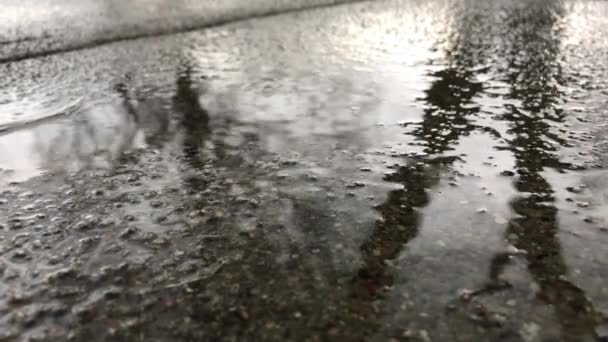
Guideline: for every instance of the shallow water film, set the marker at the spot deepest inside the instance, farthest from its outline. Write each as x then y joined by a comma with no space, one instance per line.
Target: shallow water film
397,170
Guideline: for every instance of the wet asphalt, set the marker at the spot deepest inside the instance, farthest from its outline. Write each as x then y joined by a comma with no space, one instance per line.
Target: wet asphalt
371,171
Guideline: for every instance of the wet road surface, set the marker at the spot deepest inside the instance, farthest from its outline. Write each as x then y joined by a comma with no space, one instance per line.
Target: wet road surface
378,171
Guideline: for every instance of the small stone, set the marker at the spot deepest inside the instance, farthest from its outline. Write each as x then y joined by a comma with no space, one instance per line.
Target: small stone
16,225
156,204
576,190
160,242
130,218
482,210
61,274
497,319
106,223
530,332
514,250
312,178
356,185
30,207
465,294
128,232
583,204
507,173
83,225
98,192
500,220
511,302
407,334
20,254
85,244
588,219
242,313
602,332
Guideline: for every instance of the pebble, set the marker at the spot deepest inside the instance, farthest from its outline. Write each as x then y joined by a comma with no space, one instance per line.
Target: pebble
576,190
242,313
514,250
20,254
465,294
160,242
500,220
356,185
130,218
128,232
156,204
83,225
61,274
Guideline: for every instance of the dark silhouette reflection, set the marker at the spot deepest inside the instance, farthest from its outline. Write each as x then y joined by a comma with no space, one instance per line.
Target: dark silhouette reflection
533,74
400,220
193,117
450,108
450,104
194,123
